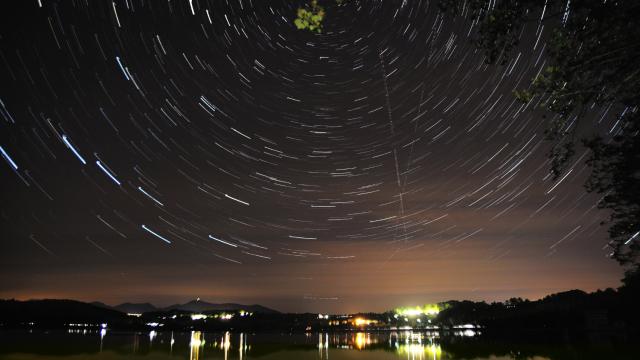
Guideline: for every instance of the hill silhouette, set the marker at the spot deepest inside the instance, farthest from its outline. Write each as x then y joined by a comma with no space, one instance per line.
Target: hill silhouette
55,312
138,308
203,306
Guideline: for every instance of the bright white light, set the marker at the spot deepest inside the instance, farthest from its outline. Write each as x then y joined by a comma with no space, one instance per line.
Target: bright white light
198,316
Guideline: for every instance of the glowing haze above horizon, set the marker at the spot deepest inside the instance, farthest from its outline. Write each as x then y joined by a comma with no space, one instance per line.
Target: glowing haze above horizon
166,151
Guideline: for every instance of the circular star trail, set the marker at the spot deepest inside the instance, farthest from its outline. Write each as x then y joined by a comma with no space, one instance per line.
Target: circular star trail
173,149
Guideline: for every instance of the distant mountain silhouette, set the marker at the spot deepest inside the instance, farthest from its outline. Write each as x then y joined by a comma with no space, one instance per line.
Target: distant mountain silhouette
60,312
137,308
203,306
55,312
101,304
191,306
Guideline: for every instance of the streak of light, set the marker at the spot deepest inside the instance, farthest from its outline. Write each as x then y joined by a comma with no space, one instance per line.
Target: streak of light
256,255
631,238
156,234
66,141
107,172
122,68
237,200
565,237
149,196
559,181
8,158
222,241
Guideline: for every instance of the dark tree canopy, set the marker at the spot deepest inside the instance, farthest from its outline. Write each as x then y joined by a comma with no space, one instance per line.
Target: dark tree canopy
593,61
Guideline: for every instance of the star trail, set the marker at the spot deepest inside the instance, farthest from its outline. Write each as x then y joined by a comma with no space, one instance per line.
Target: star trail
167,150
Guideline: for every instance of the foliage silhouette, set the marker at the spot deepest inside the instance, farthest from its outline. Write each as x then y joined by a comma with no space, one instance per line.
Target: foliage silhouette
593,56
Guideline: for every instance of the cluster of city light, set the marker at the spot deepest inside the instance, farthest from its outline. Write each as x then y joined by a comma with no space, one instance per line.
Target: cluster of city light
83,325
428,309
363,322
226,316
195,317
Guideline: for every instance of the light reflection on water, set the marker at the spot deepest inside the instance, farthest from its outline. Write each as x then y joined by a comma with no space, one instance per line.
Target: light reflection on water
106,344
406,345
409,345
224,344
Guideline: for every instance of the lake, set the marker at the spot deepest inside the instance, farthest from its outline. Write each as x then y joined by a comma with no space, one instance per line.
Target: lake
107,345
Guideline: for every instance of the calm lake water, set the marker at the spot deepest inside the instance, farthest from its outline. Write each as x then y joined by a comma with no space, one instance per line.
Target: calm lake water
108,345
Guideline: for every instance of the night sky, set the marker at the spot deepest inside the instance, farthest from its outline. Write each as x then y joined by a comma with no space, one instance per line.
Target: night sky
166,150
